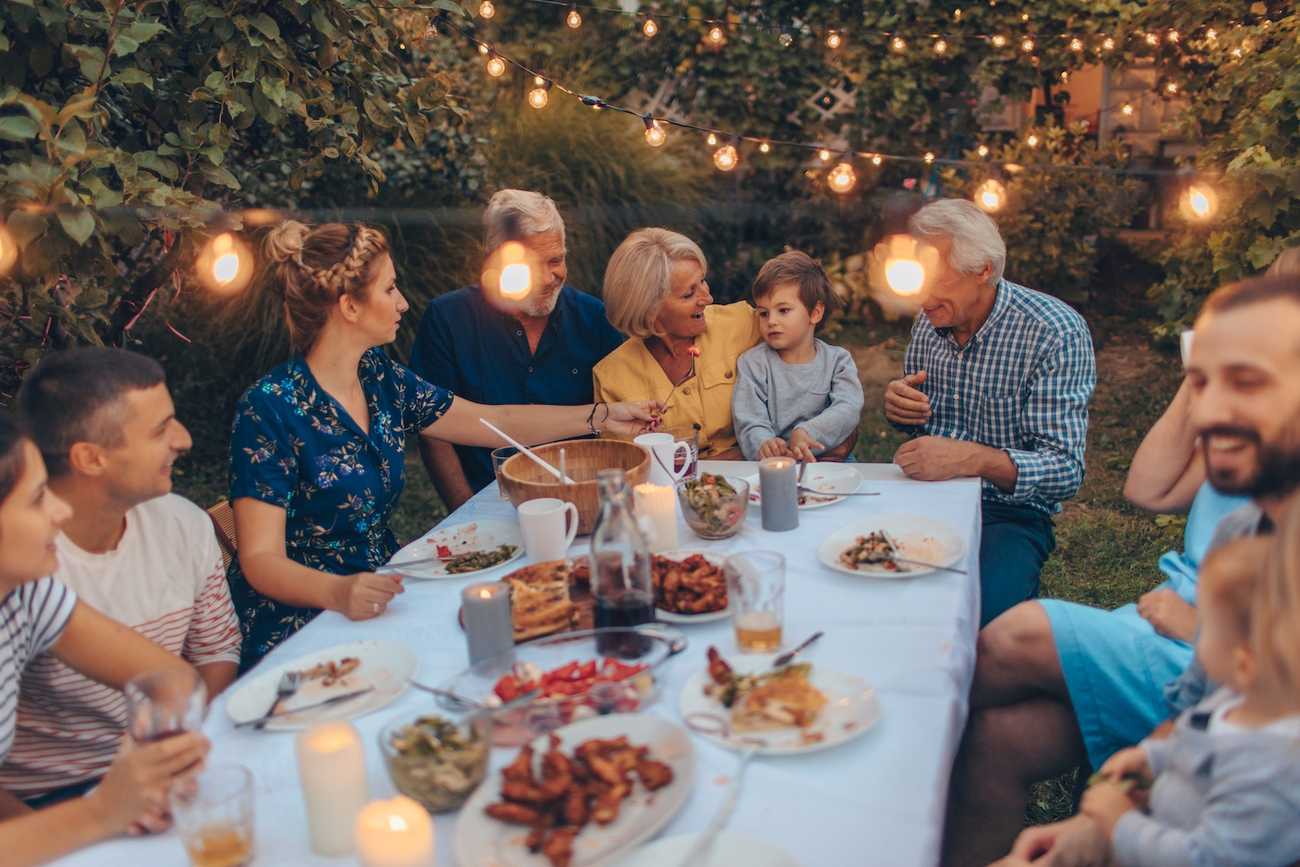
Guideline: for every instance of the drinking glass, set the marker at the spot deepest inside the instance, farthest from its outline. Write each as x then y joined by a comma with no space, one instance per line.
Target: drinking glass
499,457
756,591
214,816
165,703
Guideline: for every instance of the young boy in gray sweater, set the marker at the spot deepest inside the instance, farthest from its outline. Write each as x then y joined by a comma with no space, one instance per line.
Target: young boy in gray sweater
795,395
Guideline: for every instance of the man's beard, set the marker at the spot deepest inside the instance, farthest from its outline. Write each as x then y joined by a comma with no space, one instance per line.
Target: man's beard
1278,471
542,304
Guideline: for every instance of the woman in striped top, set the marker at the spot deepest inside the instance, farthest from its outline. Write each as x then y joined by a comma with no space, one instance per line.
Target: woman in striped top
37,614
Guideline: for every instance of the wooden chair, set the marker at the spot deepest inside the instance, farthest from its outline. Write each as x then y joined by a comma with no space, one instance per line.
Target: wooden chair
223,524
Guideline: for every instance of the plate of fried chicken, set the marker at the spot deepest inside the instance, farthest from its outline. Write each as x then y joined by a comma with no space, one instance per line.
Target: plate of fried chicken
690,587
579,796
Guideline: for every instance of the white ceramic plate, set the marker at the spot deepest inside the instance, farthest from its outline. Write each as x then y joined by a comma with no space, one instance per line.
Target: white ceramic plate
485,842
461,539
918,537
385,665
852,709
728,850
673,617
833,478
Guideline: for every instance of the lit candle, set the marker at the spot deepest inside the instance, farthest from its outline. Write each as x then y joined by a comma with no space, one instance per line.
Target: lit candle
780,494
656,509
488,629
332,769
394,833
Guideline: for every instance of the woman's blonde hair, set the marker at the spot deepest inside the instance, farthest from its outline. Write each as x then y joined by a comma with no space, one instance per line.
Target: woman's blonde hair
318,265
1275,613
1286,263
639,278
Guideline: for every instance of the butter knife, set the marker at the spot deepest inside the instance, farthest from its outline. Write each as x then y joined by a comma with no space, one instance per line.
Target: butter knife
337,699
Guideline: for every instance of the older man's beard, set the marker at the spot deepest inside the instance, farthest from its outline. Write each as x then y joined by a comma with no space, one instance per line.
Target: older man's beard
542,304
1278,473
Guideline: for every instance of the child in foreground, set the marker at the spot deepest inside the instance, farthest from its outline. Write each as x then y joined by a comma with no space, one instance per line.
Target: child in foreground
1225,785
795,395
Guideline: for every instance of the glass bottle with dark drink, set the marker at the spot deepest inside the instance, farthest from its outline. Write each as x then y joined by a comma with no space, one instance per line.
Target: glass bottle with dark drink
620,568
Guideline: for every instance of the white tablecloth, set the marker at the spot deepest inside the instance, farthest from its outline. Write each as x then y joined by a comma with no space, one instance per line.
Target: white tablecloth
878,800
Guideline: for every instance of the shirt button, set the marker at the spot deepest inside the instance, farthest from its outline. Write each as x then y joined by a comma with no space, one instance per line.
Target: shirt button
519,333
575,371
530,368
727,374
686,390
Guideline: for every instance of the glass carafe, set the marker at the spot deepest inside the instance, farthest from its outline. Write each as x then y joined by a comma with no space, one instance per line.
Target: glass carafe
620,567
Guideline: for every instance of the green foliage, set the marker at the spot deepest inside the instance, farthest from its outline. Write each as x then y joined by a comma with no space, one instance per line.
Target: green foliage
1053,221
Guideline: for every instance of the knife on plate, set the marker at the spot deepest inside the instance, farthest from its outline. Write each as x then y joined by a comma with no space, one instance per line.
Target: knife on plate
332,700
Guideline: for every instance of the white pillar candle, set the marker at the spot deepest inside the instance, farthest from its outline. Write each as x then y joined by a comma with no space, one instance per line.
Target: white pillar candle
394,833
332,768
656,509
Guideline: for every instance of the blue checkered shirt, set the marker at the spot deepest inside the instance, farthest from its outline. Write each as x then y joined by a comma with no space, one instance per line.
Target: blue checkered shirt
1021,384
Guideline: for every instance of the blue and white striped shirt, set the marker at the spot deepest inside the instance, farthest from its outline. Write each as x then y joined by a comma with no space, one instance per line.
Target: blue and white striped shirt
1021,384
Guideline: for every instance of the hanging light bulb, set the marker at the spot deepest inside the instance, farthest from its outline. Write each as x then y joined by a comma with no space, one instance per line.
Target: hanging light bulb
496,67
726,158
1024,17
898,44
716,35
1152,39
1065,75
486,9
940,46
538,96
1032,140
1126,109
712,139
649,28
764,147
1108,44
1171,88
834,40
1076,44
8,250
507,270
990,196
956,13
1027,45
999,41
824,155
877,160
1172,36
225,264
842,178
573,19
929,157
1199,202
982,150
482,48
903,264
654,133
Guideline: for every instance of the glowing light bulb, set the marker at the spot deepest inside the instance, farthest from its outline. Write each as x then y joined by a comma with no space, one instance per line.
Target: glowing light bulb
842,178
486,9
904,276
1076,44
1199,202
1152,39
538,81
1172,36
538,97
824,155
1027,45
649,28
225,264
834,40
1171,88
1024,16
496,67
940,46
956,13
712,139
898,44
999,41
573,19
726,158
654,133
877,159
1065,75
929,157
990,196
982,150
764,147
1108,44
716,35
1126,109
482,49
1032,140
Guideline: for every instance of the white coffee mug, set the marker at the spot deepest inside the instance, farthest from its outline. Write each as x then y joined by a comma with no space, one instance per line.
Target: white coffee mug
663,457
542,523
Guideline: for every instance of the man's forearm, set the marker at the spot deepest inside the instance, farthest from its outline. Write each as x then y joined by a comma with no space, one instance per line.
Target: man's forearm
443,466
994,465
217,676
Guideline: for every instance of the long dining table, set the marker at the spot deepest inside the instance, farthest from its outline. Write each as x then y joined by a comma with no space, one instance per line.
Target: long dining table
875,800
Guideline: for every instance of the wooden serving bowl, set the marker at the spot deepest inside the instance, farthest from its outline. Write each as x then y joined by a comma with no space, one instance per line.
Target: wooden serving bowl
523,480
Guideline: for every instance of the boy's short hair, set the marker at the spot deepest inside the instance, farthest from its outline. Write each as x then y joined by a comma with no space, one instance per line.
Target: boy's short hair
1229,575
800,269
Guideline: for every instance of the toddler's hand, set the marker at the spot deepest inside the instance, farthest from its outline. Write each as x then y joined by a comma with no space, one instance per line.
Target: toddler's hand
1131,762
774,448
1105,802
802,446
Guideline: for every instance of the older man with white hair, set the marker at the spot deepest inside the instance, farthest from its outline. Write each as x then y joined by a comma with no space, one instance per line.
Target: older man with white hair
996,384
493,349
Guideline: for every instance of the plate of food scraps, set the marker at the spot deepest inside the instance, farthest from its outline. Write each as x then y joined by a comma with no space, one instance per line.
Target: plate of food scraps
831,480
460,551
868,546
587,793
381,668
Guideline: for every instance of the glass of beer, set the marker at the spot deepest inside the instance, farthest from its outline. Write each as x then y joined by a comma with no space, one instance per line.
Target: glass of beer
756,591
165,703
214,816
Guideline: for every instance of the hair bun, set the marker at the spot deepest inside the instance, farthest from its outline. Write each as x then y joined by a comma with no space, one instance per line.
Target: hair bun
285,241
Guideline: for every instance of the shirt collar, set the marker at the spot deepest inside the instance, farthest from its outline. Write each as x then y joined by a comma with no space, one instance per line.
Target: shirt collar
557,319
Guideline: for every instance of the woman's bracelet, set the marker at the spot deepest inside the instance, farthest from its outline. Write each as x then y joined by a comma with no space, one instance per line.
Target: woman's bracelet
592,415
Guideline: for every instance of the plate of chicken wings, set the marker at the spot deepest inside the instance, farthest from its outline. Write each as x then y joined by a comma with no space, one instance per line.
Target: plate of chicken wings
690,587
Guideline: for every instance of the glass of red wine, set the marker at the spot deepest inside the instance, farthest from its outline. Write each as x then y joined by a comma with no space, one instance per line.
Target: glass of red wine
161,704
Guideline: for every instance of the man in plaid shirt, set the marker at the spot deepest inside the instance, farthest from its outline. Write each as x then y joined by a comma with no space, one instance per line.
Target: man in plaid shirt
996,384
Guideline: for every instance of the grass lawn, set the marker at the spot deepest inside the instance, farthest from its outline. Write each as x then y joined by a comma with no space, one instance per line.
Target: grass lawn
1106,549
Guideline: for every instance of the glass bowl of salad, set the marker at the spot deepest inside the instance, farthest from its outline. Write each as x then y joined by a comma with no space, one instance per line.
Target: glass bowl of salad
543,684
437,760
714,506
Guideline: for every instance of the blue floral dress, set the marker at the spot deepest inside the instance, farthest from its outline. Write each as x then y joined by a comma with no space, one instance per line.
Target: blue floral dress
294,446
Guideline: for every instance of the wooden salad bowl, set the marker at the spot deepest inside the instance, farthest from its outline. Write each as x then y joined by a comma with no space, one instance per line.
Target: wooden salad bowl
523,480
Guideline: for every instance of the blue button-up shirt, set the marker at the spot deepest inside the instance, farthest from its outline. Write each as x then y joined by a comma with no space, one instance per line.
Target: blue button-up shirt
1021,384
470,347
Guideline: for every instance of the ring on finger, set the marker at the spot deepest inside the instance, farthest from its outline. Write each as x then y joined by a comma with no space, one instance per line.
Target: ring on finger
374,606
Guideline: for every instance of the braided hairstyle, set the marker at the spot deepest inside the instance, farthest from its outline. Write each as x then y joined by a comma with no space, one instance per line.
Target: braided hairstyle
317,266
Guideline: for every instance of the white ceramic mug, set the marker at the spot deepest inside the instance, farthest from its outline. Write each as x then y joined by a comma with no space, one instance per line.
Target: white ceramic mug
542,523
663,457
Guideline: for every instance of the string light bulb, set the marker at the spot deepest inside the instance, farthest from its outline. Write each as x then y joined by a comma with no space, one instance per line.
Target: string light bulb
516,276
538,97
764,147
1027,45
1065,75
496,67
712,139
1024,17
898,44
842,178
482,49
1032,140
929,157
956,14
824,155
716,35
726,158
649,28
1171,88
1108,44
982,150
877,160
1126,109
903,263
1199,202
655,136
940,46
1172,36
834,40
999,41
486,9
1153,39
573,19
225,264
1076,44
990,196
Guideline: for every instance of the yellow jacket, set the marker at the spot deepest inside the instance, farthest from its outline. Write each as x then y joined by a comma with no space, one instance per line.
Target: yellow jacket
704,400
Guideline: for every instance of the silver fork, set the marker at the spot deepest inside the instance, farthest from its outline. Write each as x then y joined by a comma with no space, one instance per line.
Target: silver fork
288,685
719,821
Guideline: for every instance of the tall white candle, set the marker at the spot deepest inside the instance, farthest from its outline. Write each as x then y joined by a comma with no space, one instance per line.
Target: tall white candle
332,768
394,833
656,509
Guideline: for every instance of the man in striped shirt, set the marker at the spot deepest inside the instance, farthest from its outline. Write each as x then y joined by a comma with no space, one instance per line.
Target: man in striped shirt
996,384
104,421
